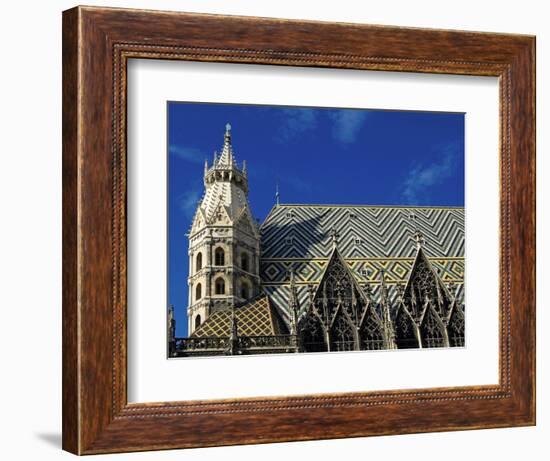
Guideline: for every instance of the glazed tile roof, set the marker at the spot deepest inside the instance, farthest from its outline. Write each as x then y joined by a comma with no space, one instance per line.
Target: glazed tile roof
257,318
303,231
371,239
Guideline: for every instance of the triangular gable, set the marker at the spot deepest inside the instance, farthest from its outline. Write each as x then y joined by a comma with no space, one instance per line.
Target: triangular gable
456,325
334,259
370,311
219,214
246,223
336,263
199,220
420,275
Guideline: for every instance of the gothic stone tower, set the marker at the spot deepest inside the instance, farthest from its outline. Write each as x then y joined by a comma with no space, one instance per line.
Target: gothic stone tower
224,241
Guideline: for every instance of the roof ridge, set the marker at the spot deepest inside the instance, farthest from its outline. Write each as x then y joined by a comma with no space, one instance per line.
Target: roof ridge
328,205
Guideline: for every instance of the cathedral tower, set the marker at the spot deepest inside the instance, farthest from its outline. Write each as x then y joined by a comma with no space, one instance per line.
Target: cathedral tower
224,241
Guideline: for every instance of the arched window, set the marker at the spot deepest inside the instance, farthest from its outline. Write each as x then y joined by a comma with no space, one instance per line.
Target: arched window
371,335
197,321
431,330
456,327
245,290
312,333
220,286
198,262
405,336
198,292
245,263
219,257
341,335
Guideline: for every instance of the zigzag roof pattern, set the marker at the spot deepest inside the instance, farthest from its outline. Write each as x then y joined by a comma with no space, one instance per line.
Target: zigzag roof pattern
303,231
371,238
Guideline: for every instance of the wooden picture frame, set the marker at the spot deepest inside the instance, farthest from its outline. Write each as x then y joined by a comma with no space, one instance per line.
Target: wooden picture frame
97,43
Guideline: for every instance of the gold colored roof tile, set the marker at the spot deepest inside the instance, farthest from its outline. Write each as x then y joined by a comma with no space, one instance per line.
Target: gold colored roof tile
253,319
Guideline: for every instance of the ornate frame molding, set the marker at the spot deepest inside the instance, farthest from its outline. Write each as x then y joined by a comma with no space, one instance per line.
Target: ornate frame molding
97,43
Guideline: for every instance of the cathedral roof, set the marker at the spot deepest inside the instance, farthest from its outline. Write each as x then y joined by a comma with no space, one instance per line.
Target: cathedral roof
371,239
303,231
256,318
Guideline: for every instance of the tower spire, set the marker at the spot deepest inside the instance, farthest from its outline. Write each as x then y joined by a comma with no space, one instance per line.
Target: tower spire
277,192
389,332
294,307
226,159
223,225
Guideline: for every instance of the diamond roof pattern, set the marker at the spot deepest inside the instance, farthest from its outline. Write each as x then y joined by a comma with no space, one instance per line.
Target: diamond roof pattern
256,318
370,238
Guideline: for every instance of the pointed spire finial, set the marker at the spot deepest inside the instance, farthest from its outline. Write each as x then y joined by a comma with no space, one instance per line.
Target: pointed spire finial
383,288
277,192
205,166
227,136
291,274
419,239
234,330
171,329
227,153
294,306
452,289
400,291
386,320
417,235
233,346
335,236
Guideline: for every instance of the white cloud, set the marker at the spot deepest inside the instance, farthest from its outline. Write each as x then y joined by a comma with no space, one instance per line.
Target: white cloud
188,203
190,154
296,122
423,176
347,124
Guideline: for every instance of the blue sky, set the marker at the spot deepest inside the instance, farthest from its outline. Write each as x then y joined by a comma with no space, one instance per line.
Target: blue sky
317,155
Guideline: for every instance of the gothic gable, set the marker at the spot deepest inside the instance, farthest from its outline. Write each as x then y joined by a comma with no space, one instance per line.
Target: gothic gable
456,326
432,329
245,222
199,220
338,289
220,215
371,331
312,332
406,332
424,287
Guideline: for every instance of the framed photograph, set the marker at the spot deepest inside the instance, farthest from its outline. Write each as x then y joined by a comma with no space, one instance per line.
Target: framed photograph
281,230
